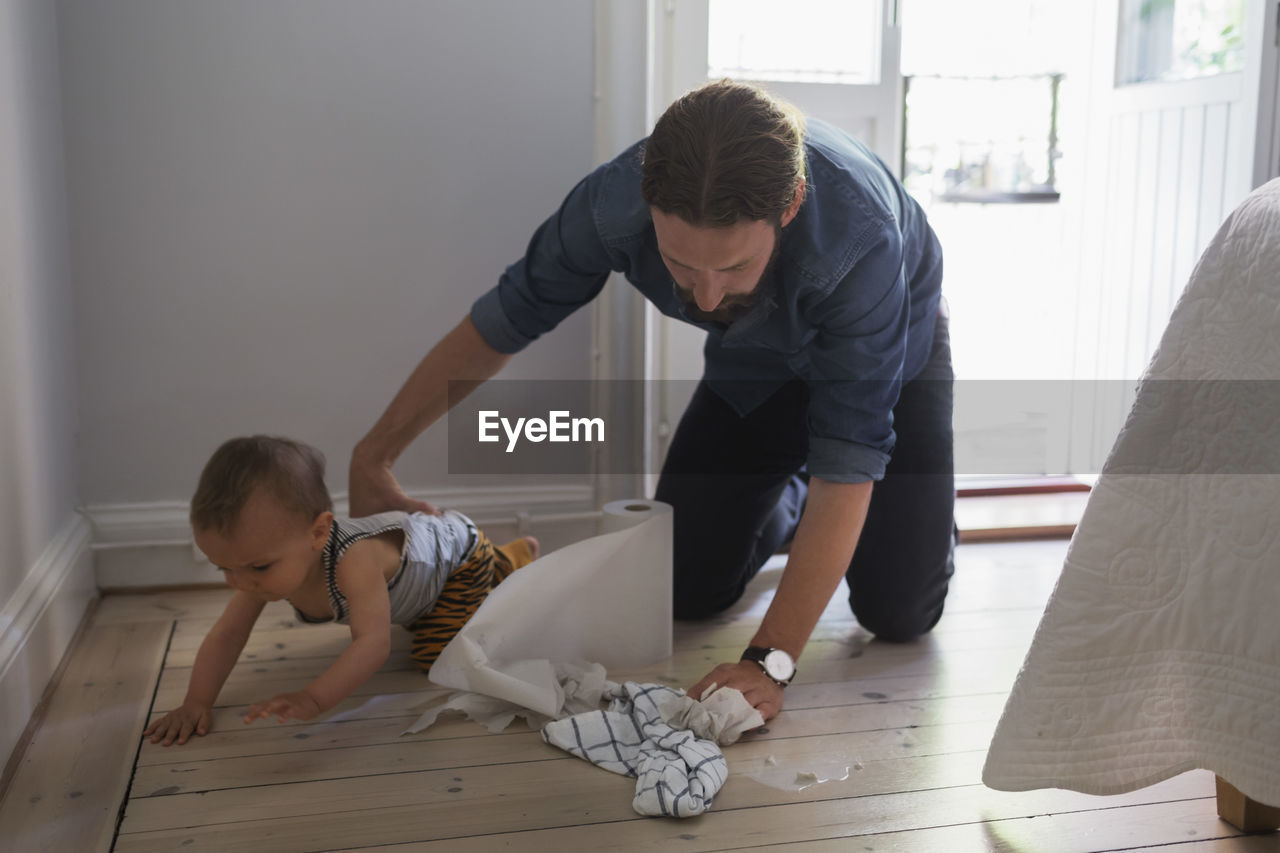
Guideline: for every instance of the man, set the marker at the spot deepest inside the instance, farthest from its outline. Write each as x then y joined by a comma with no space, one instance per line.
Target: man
818,282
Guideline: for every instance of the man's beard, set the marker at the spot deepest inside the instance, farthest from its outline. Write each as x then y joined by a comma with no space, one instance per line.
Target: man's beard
734,305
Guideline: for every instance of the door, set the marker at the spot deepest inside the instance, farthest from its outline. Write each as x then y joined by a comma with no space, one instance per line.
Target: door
1174,127
837,59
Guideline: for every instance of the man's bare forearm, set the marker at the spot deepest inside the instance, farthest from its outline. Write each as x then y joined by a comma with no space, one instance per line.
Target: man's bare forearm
820,554
463,357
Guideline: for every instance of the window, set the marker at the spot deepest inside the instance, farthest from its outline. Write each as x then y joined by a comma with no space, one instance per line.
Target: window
806,41
1162,40
983,140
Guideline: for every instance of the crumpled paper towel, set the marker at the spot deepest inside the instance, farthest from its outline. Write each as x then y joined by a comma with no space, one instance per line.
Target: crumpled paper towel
578,688
723,715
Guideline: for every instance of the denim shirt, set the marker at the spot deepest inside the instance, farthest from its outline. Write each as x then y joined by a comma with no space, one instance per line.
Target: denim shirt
849,307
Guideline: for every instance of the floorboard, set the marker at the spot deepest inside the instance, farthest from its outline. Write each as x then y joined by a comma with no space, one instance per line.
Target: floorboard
898,733
71,781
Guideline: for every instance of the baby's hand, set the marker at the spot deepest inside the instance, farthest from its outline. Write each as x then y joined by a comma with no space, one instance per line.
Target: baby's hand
286,706
179,723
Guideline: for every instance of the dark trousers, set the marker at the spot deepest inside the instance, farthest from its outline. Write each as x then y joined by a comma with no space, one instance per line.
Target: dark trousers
738,490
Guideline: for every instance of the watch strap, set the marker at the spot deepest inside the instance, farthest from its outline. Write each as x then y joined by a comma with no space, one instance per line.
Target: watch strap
758,654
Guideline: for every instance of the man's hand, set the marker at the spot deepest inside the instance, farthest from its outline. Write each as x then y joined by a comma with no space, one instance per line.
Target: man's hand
373,489
760,690
180,723
286,706
458,364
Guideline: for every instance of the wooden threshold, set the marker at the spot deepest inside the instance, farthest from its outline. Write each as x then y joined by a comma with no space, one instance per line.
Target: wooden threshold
1020,516
1017,534
1024,486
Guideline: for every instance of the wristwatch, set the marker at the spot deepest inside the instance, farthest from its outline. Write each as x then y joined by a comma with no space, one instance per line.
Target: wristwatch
776,663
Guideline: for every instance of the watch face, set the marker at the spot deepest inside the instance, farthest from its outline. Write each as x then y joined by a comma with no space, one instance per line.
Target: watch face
779,665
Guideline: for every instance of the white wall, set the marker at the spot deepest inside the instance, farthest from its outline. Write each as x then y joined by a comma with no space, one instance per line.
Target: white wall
45,575
277,207
266,212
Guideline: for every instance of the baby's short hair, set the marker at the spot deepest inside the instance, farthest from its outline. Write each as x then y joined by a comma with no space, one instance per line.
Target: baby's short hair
293,471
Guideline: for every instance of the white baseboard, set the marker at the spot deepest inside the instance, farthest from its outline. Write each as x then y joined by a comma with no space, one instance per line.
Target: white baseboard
38,623
139,545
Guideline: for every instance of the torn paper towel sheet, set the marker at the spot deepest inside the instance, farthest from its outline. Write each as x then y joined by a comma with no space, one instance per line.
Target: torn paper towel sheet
605,599
664,738
721,714
578,685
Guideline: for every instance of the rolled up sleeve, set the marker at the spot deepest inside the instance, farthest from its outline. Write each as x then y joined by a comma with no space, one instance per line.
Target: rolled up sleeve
565,266
856,364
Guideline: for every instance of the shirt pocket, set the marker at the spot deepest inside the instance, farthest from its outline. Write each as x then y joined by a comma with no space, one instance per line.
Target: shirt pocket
799,363
789,342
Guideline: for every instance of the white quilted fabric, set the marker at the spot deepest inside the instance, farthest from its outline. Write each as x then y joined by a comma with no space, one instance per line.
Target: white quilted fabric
1159,651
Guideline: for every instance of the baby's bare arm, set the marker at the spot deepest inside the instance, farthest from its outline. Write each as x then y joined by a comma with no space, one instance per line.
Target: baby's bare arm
360,577
222,646
214,661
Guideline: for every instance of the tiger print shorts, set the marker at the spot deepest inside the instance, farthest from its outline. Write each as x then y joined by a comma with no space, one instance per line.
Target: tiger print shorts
462,595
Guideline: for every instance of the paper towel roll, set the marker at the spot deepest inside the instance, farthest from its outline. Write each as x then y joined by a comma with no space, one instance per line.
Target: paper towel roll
620,515
606,600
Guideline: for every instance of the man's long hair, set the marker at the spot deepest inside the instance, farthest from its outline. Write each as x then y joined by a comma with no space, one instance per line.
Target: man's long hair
725,153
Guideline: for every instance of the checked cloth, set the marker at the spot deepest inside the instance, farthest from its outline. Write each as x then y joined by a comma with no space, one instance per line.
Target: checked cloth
663,738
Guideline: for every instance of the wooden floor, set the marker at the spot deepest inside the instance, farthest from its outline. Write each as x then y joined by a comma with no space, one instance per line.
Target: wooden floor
899,732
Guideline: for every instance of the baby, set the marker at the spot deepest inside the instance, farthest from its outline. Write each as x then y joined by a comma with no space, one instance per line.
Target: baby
263,516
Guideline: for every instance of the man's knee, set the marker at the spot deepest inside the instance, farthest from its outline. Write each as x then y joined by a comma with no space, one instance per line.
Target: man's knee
701,600
701,589
902,613
898,594
903,626
689,607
